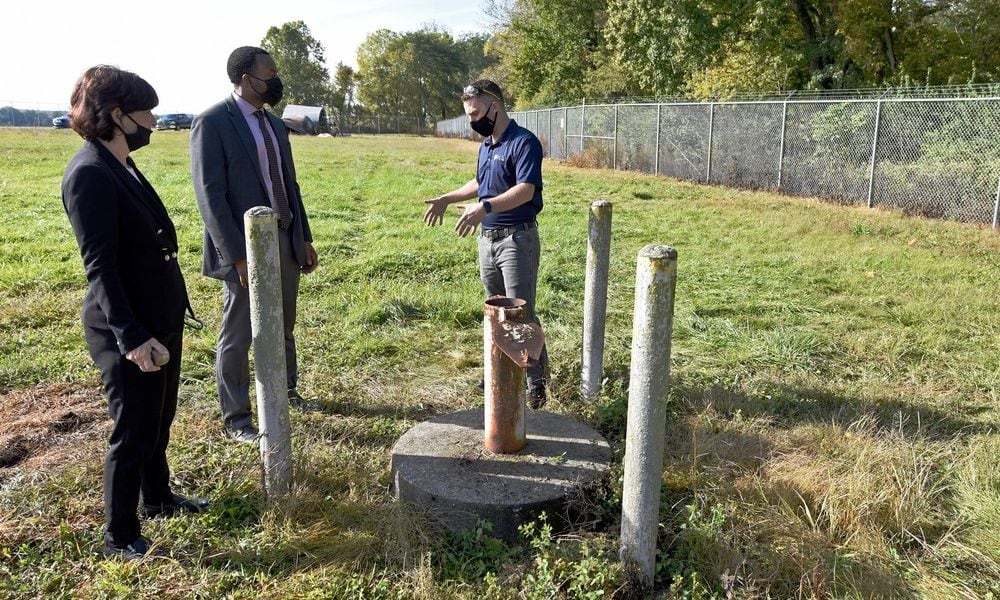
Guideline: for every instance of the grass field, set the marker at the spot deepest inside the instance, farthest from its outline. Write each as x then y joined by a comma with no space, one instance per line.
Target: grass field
832,429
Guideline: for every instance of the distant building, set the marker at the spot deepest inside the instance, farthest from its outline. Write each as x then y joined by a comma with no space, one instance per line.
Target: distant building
308,120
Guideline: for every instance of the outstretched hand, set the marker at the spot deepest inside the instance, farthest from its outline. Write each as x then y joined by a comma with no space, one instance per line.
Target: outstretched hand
435,211
472,216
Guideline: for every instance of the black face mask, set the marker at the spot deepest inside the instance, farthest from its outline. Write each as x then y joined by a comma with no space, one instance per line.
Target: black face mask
484,126
275,89
137,139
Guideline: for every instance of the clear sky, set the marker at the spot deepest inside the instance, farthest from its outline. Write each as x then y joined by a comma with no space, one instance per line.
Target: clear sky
181,46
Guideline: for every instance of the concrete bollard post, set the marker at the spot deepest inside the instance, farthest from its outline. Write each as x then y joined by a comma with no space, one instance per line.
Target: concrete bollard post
595,298
656,277
266,320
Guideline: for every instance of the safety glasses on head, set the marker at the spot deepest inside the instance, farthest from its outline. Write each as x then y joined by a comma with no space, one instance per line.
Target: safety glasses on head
472,91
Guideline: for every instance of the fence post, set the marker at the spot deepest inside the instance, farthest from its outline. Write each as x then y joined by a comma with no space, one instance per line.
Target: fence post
711,124
614,144
649,378
565,133
595,298
871,167
781,146
996,207
656,163
264,275
549,140
583,125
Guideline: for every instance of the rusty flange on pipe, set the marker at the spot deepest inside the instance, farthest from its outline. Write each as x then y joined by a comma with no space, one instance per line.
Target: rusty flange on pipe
510,344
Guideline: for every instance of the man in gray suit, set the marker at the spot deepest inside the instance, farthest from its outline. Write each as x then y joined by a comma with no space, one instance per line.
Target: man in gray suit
241,158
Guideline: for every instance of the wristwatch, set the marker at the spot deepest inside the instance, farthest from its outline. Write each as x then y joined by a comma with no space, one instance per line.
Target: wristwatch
487,206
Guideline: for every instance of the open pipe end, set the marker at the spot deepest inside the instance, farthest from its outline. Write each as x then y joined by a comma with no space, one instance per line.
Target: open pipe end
505,302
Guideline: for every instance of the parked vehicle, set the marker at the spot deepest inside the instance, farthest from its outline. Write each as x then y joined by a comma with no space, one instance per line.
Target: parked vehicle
61,122
174,121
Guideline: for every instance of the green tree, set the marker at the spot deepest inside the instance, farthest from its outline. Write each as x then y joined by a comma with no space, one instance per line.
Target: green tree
950,41
551,51
344,90
301,64
417,73
472,51
381,63
547,49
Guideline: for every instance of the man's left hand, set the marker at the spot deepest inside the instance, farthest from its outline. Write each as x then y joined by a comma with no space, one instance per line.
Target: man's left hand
312,259
472,216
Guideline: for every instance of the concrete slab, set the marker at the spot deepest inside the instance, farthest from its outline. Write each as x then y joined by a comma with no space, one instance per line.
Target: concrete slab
443,466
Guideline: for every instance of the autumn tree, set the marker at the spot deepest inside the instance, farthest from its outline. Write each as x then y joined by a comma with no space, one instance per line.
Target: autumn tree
301,65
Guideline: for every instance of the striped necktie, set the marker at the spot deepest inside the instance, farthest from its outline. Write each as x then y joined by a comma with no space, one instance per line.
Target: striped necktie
280,199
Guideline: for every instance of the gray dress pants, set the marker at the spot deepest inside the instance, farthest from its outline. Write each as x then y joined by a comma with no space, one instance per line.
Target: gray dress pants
232,362
509,267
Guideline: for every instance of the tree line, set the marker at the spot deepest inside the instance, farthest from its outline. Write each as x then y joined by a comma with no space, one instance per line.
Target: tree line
550,52
416,74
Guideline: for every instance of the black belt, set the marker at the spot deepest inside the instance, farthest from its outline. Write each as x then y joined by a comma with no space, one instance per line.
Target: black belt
495,235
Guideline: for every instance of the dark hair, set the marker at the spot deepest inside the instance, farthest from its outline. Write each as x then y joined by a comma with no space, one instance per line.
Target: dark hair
242,61
482,87
98,91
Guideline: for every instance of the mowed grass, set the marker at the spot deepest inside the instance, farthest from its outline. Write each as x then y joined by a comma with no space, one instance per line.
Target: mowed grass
832,429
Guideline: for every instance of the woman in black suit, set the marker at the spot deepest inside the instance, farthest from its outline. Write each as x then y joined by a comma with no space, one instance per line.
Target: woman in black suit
133,312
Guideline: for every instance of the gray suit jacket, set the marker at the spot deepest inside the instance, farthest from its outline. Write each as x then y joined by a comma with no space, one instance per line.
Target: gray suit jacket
228,182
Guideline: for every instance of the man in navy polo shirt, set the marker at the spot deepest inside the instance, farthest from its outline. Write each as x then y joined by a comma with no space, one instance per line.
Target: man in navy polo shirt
508,184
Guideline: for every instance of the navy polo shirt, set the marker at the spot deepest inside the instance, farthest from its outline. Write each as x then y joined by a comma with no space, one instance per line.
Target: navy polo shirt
515,158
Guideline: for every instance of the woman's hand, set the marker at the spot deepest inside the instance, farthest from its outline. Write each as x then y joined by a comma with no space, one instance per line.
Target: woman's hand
143,355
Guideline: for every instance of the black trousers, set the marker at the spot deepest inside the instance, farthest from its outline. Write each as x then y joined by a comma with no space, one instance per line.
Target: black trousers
142,406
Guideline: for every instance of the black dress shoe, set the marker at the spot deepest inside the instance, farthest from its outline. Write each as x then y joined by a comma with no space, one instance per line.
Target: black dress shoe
536,396
179,505
132,551
295,400
247,434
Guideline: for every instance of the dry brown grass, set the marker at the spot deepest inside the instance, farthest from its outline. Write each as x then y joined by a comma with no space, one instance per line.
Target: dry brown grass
48,427
590,158
814,510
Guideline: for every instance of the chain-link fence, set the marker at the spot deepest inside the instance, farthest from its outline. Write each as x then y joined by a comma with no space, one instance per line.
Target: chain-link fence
936,157
384,124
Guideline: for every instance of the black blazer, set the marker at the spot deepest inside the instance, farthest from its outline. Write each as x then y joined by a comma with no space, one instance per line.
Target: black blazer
129,249
228,182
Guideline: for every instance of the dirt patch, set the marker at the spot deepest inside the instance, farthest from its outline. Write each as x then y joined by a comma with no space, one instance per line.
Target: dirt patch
43,428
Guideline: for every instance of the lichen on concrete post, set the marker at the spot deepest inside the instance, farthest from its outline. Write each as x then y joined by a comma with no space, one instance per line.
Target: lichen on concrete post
595,298
656,277
267,324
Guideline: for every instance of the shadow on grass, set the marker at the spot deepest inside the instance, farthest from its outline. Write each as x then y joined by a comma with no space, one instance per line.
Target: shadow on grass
748,518
790,405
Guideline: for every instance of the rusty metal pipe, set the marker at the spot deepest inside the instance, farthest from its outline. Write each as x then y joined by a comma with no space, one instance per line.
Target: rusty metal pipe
510,344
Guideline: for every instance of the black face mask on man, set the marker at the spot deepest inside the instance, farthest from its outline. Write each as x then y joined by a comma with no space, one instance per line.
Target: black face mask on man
138,138
275,89
484,125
